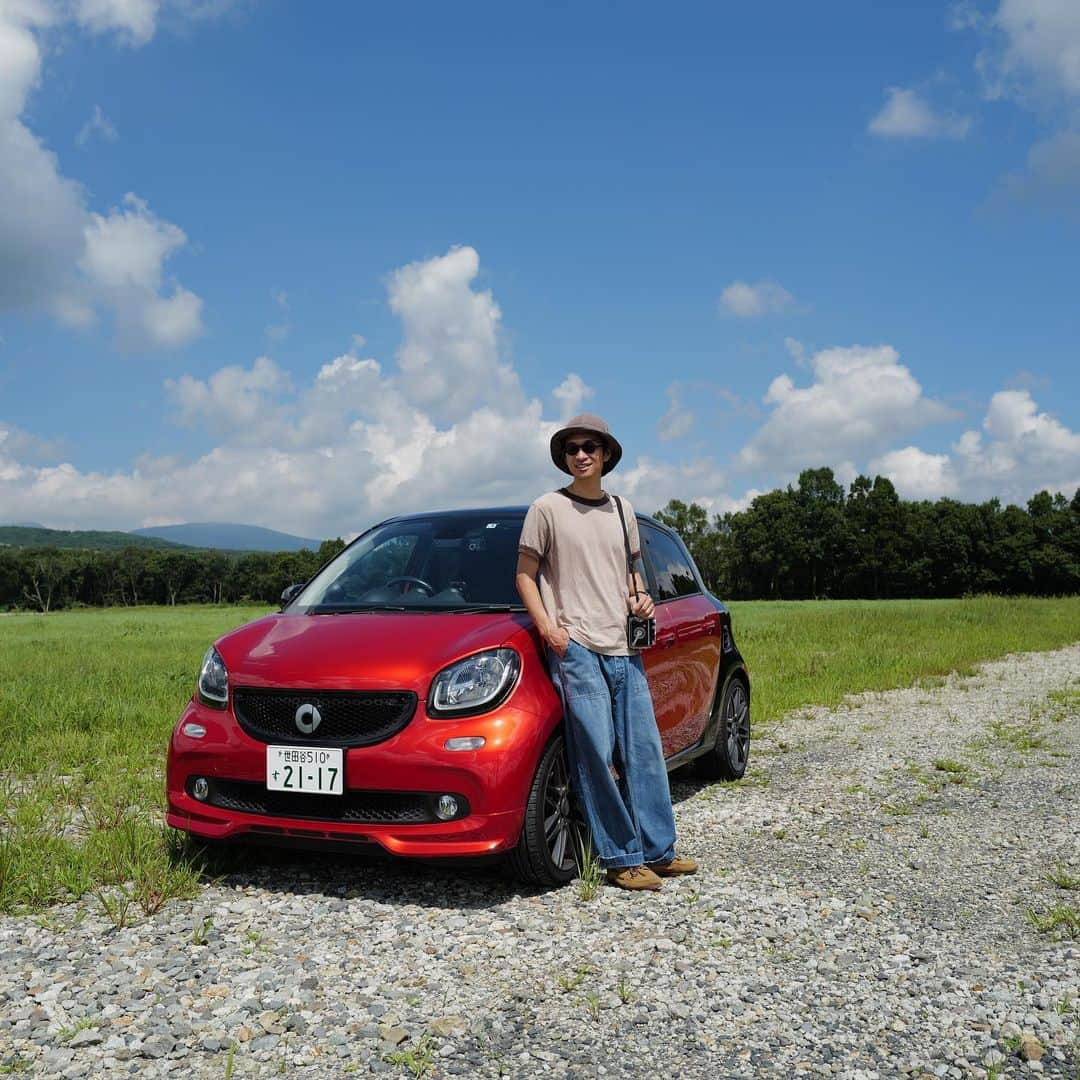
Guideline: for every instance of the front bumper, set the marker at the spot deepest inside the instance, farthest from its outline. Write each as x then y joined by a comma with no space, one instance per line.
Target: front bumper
493,782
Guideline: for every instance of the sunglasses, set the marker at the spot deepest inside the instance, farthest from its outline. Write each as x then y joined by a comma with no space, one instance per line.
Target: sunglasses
589,446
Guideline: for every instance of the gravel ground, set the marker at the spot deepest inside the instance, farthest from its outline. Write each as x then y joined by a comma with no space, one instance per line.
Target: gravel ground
860,912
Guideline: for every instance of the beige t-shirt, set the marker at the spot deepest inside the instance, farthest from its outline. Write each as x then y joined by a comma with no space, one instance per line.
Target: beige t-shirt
583,578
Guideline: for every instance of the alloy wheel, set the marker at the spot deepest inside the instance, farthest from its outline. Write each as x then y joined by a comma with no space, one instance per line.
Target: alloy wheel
737,724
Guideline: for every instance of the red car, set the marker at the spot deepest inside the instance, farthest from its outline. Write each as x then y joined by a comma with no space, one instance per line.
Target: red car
401,698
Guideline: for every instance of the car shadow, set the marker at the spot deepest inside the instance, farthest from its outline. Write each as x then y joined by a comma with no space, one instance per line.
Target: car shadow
365,874
685,782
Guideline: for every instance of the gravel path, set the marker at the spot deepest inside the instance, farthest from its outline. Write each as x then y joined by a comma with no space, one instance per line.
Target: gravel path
861,912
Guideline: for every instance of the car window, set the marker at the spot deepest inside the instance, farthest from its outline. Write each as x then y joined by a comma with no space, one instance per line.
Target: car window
422,564
671,572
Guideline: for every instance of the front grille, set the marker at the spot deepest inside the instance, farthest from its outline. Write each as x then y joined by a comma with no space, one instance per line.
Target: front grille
349,717
361,807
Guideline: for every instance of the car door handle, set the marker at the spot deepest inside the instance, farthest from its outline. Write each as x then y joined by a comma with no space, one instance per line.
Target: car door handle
665,640
692,630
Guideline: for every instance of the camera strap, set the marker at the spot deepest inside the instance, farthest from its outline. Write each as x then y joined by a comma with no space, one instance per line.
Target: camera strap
626,541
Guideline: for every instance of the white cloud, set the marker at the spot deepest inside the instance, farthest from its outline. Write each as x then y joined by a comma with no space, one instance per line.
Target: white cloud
678,420
796,350
99,126
651,484
450,354
861,399
907,115
134,20
571,394
14,442
1052,173
355,444
915,473
123,260
745,301
51,247
1018,452
234,401
1032,51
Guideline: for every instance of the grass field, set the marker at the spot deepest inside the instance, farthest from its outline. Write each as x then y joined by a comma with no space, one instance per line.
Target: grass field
88,698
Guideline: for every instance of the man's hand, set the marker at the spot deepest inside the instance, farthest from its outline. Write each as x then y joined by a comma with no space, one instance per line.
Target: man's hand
640,605
558,637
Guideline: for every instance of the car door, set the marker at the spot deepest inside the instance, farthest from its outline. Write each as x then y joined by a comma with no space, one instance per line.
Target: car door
682,667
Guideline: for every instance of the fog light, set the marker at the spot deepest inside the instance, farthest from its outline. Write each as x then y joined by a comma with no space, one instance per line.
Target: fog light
201,788
196,731
465,742
446,807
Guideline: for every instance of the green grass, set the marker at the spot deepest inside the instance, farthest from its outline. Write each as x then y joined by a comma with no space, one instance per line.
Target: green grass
87,702
817,652
88,698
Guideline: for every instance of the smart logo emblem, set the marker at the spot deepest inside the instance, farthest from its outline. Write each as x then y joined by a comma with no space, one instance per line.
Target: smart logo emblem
308,718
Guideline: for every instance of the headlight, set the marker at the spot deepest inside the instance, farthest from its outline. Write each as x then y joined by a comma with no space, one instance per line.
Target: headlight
213,680
474,685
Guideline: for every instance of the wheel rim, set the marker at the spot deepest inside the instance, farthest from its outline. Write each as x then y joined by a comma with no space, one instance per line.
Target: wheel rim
562,822
737,722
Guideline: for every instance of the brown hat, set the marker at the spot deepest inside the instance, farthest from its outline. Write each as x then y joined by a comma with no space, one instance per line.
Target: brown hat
585,422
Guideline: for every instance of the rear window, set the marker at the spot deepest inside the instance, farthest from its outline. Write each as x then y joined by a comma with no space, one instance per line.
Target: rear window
671,572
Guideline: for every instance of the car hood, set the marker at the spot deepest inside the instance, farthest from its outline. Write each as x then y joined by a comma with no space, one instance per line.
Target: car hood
376,650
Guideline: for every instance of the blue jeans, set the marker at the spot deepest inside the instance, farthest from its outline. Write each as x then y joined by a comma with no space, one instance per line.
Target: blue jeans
610,721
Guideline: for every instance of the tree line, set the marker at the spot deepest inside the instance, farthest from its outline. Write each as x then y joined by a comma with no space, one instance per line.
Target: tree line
46,579
807,541
818,540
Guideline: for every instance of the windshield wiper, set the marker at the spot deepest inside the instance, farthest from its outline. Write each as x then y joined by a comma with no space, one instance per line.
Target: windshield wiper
357,609
458,609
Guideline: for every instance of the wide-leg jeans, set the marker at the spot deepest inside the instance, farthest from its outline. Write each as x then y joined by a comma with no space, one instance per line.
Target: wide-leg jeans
610,722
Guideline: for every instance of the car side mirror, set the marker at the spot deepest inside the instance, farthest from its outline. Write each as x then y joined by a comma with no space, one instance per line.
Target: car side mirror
289,593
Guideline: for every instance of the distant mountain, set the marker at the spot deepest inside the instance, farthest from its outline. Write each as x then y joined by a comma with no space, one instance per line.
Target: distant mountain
229,536
34,536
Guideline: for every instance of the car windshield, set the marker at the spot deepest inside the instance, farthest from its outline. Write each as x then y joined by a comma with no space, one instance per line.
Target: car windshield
452,562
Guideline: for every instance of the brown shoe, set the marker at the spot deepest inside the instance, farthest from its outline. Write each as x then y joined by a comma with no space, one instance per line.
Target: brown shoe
633,877
676,866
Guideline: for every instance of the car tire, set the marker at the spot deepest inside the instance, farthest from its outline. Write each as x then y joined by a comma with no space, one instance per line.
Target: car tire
731,751
553,833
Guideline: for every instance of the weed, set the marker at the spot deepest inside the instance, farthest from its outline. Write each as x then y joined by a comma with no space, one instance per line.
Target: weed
854,789
200,930
116,904
1062,919
1018,737
1063,879
896,809
229,1062
80,1025
953,768
572,982
924,832
591,873
592,1003
622,988
417,1059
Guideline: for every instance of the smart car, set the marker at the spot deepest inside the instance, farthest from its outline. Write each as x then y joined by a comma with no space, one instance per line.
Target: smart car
401,698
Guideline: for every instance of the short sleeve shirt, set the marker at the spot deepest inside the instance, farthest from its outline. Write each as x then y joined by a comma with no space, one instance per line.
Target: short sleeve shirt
583,577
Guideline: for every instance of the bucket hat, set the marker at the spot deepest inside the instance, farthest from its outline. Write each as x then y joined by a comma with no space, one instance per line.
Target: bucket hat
586,422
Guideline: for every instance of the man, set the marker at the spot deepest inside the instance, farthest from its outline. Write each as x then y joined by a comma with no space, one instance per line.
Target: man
573,577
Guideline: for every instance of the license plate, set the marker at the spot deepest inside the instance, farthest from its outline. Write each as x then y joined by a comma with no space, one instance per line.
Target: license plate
314,770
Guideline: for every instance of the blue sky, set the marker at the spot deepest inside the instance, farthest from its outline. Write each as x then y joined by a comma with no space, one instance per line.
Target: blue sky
305,266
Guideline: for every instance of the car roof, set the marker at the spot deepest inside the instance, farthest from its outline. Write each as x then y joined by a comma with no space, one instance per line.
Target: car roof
491,511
